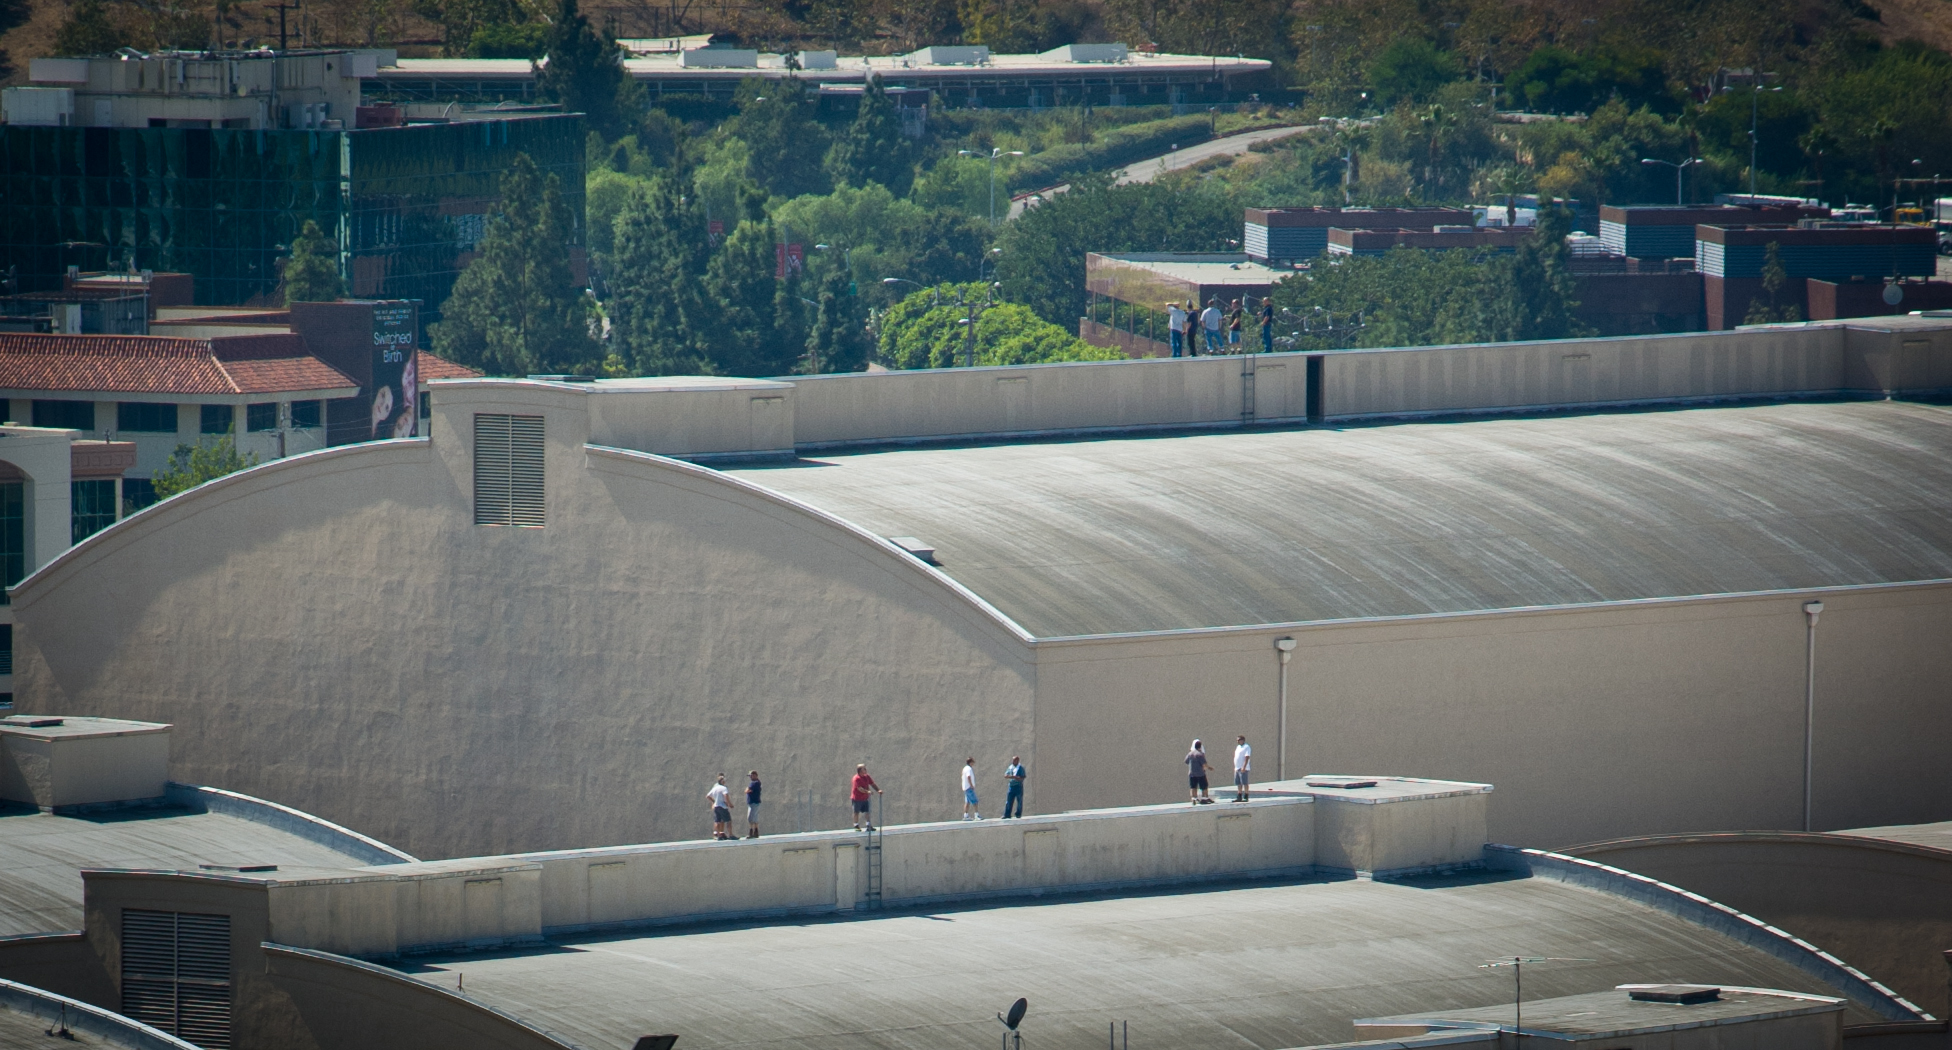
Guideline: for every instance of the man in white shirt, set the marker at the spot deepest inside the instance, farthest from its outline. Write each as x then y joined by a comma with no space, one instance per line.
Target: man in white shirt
1176,325
721,800
1210,320
969,792
1243,768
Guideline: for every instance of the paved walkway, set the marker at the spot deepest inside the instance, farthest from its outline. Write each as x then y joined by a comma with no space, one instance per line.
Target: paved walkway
1152,167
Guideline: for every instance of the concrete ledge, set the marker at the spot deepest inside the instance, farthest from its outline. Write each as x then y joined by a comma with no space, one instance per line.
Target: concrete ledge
1721,918
93,1021
363,848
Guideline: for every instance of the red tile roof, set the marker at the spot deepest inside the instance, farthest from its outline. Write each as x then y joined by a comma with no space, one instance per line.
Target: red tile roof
149,364
431,367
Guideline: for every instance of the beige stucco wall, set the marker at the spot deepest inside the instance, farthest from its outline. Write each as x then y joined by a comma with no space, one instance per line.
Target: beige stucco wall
1593,723
332,632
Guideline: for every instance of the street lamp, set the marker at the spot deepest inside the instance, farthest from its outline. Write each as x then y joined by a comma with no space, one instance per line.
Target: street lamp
1678,169
934,292
995,152
987,259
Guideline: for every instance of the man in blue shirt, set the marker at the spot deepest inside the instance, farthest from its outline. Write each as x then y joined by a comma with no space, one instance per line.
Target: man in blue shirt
752,806
1013,775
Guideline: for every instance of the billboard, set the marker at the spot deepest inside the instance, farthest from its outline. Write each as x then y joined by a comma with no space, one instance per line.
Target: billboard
789,261
396,384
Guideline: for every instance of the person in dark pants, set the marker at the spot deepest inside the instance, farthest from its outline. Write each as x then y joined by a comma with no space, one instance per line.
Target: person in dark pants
1267,326
752,806
1196,763
1013,775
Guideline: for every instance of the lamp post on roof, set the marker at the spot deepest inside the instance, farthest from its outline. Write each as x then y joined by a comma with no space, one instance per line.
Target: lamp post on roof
1678,169
995,152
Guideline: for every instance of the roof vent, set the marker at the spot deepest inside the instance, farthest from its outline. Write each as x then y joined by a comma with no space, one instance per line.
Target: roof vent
30,721
238,867
1679,994
916,547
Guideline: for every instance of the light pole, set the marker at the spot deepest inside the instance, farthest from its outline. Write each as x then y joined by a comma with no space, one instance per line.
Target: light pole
1286,647
995,152
1811,610
1678,169
936,293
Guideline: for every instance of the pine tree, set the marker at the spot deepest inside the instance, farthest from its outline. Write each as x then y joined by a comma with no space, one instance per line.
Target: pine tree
312,271
837,341
657,298
1530,296
755,326
776,122
585,73
518,309
873,149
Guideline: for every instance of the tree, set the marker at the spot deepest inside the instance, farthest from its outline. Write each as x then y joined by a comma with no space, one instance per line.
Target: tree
1404,297
311,272
1530,295
927,330
192,465
755,327
837,341
462,21
88,30
776,124
657,302
518,309
585,73
1774,279
873,149
1412,68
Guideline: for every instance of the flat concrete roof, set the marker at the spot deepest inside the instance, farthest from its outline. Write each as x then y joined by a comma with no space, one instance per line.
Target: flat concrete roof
1615,1014
1215,268
1249,966
1251,527
68,727
41,855
1934,836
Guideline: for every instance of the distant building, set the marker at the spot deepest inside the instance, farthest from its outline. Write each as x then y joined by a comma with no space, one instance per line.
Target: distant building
1282,235
959,76
210,163
1664,232
1369,242
1731,260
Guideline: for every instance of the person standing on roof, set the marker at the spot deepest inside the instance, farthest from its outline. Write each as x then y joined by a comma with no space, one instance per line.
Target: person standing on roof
1176,327
969,811
721,809
859,795
1243,768
1013,775
1235,318
752,806
1267,326
1211,319
1196,763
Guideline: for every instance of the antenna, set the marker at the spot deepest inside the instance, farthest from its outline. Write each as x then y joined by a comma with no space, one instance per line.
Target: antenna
1517,964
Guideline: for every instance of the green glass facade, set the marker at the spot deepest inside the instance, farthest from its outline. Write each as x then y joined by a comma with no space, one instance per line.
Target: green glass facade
404,203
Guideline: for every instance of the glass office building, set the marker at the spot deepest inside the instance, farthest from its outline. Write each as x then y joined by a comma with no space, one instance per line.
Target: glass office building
406,204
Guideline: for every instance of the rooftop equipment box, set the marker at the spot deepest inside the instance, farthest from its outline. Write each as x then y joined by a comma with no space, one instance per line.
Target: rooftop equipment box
61,763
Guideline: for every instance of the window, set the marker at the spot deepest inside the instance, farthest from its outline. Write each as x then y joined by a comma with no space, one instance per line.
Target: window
66,415
91,507
13,533
261,417
218,419
176,974
508,470
6,648
426,409
305,414
137,493
145,417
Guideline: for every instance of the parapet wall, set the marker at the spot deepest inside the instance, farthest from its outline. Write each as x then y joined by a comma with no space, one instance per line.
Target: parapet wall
731,419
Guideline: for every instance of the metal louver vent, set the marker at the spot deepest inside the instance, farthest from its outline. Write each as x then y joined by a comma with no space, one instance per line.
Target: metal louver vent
508,484
176,974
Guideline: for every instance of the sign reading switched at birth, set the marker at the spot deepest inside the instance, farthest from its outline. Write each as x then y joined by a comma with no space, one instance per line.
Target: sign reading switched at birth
396,384
791,261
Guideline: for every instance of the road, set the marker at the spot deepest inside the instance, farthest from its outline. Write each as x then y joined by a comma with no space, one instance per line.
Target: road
1152,167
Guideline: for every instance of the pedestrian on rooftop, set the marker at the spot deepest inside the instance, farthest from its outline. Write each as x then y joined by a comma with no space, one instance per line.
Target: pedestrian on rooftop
1267,326
1176,327
1195,328
1243,768
1235,318
969,804
1013,775
863,784
1196,765
752,805
721,809
1211,319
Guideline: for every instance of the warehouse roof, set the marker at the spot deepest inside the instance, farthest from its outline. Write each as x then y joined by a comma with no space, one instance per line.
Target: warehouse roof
1248,966
1207,530
40,877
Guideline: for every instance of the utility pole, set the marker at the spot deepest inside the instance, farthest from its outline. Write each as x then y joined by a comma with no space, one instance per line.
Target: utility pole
281,9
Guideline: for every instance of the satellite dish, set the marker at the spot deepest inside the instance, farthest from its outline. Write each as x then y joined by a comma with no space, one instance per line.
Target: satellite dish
1893,295
1015,1016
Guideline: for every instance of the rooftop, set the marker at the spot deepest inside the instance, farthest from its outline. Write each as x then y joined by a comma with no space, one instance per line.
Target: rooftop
1205,268
1613,1014
138,364
1209,530
1266,965
40,879
733,63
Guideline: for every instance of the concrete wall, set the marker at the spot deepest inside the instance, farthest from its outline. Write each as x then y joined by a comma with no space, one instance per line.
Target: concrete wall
1594,723
578,684
1886,907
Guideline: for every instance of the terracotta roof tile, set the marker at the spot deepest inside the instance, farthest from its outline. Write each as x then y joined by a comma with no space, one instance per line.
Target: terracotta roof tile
432,367
145,364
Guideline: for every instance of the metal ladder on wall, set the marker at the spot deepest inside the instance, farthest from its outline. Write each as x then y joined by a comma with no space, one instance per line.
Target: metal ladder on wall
871,897
1246,387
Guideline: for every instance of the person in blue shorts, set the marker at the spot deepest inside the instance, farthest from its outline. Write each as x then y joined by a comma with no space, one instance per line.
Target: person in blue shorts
969,811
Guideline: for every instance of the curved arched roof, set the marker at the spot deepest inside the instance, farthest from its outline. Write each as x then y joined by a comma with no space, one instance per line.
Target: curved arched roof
1213,530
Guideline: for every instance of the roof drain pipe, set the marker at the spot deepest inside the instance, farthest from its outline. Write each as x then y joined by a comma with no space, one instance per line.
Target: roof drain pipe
1286,647
1811,610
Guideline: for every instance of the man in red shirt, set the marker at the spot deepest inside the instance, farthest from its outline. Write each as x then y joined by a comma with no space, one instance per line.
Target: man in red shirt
862,785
